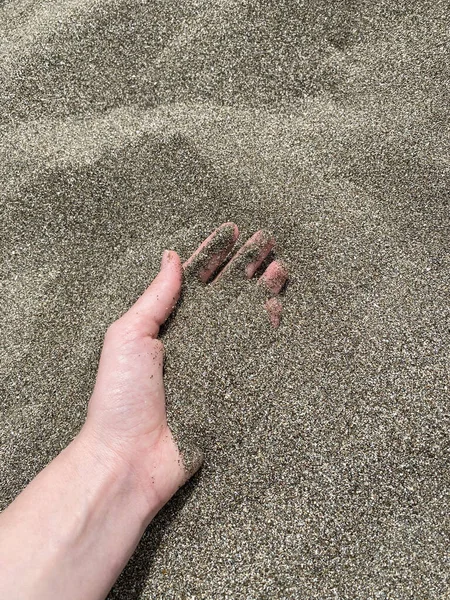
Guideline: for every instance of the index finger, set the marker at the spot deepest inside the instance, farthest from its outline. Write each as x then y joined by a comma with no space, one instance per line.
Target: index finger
212,252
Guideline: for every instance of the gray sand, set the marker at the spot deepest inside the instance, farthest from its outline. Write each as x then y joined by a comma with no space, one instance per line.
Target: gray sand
130,127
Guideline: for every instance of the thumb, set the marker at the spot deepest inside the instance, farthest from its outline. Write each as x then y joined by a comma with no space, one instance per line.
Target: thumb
150,311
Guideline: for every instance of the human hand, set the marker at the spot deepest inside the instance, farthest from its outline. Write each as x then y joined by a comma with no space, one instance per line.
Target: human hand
127,410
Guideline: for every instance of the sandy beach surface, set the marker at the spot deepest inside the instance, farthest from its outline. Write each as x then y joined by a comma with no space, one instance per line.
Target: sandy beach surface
129,127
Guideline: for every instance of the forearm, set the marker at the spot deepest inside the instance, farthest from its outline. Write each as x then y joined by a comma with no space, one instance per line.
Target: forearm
71,531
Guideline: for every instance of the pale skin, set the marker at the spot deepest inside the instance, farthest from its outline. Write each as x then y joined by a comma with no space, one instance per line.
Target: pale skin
72,530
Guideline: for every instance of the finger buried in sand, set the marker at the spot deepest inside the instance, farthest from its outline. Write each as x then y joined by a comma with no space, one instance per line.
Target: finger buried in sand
274,277
249,257
274,308
212,252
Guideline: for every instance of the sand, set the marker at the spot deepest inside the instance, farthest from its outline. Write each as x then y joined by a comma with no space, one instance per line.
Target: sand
130,127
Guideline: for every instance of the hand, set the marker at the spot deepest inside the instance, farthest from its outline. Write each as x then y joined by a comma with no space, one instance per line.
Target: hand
74,527
127,411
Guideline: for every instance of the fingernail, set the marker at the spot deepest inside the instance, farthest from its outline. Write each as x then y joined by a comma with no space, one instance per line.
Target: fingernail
165,259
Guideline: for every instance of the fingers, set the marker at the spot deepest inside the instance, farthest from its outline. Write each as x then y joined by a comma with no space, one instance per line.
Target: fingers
246,263
274,308
249,257
272,281
274,277
150,311
212,252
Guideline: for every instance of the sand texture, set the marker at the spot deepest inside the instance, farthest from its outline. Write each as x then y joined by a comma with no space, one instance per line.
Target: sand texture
127,127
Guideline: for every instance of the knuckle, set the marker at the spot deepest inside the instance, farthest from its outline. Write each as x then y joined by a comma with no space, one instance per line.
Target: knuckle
122,330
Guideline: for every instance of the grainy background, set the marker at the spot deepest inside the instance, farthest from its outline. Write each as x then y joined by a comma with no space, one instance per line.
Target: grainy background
128,127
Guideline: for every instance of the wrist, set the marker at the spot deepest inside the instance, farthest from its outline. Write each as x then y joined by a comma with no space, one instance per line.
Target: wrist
149,471
72,516
120,472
